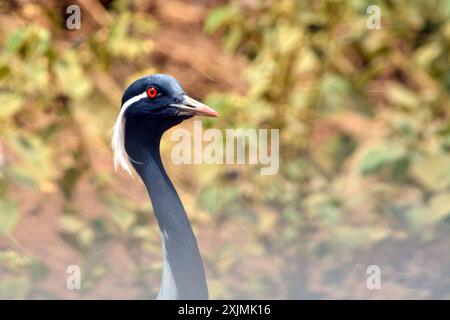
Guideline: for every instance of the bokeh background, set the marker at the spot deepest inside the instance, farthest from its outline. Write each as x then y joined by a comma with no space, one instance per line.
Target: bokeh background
364,119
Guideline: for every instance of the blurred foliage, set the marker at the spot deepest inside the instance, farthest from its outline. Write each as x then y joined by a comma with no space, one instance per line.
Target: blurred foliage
351,103
53,94
364,119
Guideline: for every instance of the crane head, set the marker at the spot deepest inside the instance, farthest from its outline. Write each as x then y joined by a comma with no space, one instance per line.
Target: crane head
159,99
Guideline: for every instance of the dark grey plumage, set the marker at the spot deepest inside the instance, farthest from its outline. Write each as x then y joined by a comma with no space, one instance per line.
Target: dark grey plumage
150,106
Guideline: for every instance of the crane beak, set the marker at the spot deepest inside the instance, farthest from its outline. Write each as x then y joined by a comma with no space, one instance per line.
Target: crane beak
193,107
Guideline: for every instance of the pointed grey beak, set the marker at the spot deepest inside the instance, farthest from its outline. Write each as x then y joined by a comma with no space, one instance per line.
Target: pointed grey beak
191,106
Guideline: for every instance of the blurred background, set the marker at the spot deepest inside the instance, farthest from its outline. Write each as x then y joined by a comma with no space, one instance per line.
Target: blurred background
364,119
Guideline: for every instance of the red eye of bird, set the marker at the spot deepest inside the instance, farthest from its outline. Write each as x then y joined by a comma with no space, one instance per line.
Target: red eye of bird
152,92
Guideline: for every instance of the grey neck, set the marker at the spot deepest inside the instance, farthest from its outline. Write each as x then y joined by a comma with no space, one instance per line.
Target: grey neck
183,273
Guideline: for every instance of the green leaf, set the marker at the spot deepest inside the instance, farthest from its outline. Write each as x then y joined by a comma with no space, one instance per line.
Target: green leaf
76,232
214,198
208,199
14,287
334,91
233,39
4,71
10,103
35,164
72,78
217,18
432,171
15,41
439,208
426,54
71,223
9,215
403,96
70,180
383,156
120,211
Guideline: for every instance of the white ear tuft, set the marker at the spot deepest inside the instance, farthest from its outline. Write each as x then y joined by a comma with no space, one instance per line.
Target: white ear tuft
121,157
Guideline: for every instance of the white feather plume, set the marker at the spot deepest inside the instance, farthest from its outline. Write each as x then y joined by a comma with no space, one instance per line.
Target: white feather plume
121,158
